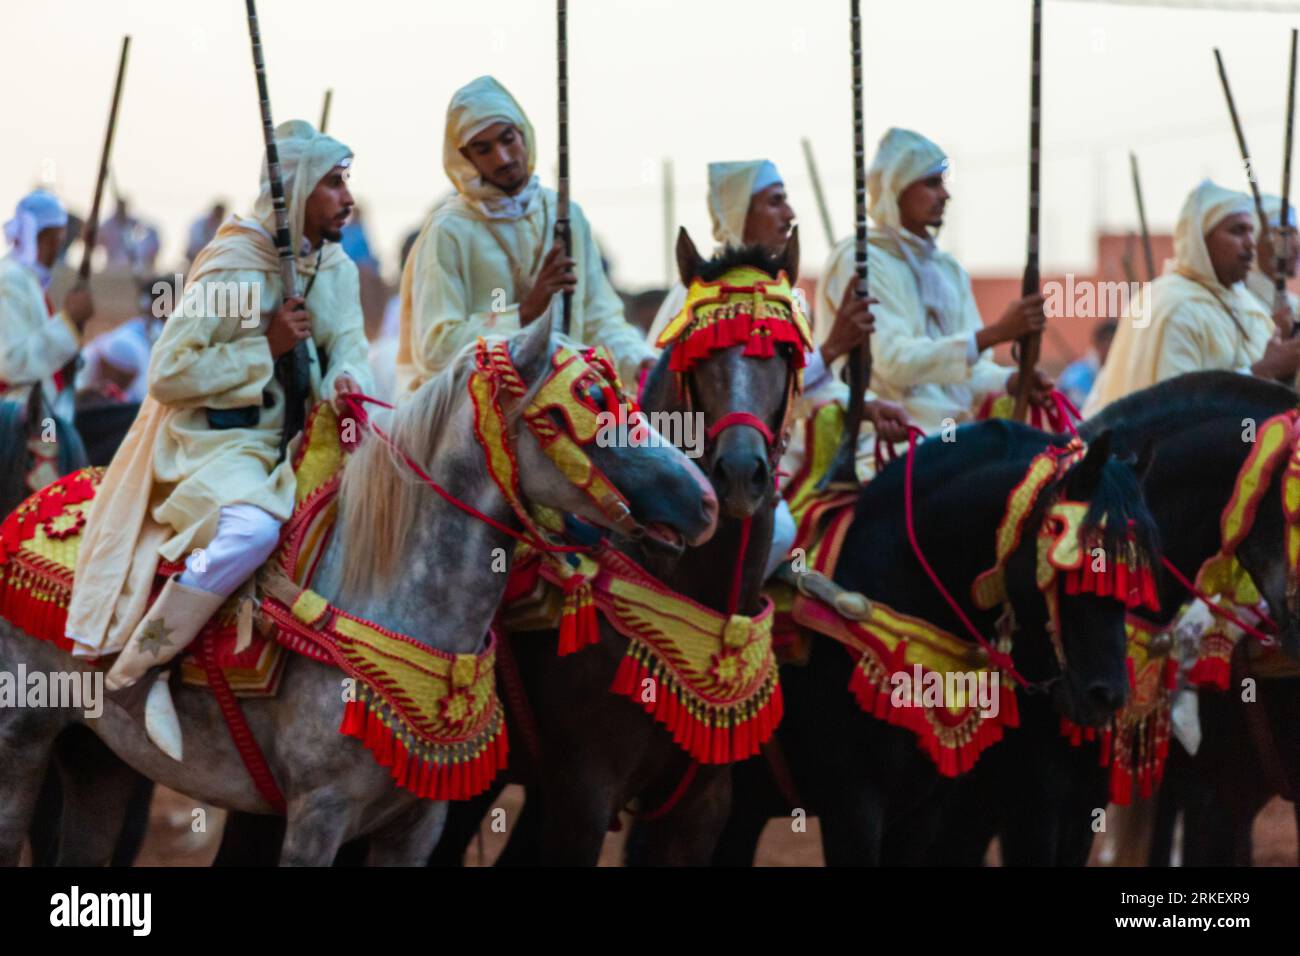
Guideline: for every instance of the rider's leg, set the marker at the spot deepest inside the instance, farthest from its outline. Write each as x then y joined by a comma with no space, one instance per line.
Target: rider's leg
246,536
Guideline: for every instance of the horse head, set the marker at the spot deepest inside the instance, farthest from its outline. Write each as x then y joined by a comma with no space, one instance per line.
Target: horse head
731,365
1092,560
573,458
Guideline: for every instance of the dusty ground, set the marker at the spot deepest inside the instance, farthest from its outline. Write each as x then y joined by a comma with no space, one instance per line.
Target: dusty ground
172,841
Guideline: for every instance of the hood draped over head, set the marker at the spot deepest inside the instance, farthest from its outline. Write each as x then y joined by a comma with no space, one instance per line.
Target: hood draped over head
731,187
1273,212
306,156
1206,207
37,210
474,107
902,158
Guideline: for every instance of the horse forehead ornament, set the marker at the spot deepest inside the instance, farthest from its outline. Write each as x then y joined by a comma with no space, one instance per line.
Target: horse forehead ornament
745,307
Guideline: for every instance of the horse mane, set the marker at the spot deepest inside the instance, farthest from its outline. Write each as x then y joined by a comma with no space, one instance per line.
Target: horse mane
379,492
1115,506
1192,398
735,257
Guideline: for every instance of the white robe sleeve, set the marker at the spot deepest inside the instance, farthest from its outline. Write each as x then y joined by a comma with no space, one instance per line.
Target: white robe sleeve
191,367
33,345
603,319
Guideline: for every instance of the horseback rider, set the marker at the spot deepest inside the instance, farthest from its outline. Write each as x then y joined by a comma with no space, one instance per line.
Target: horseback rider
1199,315
35,341
484,261
930,348
201,474
748,205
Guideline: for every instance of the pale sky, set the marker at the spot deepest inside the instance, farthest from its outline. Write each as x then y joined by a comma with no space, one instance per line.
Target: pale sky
686,80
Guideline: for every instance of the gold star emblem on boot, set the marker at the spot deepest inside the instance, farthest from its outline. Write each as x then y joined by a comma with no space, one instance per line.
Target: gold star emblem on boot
154,637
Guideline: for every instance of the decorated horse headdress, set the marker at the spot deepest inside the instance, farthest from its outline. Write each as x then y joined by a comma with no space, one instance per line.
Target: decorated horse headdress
743,297
1084,558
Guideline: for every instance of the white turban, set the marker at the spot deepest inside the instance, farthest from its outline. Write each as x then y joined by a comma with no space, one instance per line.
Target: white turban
306,157
36,211
1206,207
1273,212
902,158
731,187
474,107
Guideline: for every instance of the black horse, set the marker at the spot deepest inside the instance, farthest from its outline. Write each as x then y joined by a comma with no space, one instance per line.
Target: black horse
878,796
1040,795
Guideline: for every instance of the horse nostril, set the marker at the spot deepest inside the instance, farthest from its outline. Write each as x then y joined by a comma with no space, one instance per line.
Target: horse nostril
758,480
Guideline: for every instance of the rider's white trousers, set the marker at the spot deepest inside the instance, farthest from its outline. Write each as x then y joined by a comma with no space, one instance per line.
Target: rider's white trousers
246,536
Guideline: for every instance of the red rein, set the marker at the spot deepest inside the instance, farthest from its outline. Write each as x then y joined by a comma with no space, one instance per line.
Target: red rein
356,402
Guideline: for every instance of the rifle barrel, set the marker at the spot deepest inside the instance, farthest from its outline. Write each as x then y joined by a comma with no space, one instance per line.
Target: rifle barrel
1142,217
92,224
563,228
1031,344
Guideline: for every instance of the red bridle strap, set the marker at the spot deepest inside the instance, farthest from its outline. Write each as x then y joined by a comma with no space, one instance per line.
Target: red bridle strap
740,418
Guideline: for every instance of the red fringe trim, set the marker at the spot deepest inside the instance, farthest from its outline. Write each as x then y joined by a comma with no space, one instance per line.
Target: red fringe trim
951,761
706,744
422,776
44,620
1210,672
760,339
580,624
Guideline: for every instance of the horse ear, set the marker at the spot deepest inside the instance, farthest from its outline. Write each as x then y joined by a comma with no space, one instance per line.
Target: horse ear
689,259
532,347
1087,474
790,258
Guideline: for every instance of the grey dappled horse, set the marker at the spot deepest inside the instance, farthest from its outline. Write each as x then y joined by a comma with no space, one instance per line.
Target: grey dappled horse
445,596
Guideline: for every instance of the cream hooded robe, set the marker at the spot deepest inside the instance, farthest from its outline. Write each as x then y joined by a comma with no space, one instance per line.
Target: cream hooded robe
1189,321
164,490
478,253
33,344
921,347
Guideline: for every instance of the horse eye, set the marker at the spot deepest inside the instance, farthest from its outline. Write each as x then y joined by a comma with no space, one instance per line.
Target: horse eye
596,395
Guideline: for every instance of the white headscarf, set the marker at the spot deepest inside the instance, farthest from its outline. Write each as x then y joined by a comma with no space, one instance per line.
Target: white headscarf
473,108
1273,212
306,156
902,158
1206,207
731,187
36,211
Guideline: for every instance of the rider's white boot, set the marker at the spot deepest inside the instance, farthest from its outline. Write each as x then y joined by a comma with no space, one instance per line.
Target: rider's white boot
170,624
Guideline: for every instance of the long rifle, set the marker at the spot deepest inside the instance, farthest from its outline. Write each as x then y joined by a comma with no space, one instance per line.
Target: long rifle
1031,343
1241,139
843,469
1142,218
563,231
822,209
325,110
91,234
294,367
1283,243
